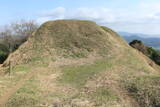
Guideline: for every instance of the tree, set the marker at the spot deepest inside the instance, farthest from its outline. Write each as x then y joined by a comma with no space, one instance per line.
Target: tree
15,34
23,28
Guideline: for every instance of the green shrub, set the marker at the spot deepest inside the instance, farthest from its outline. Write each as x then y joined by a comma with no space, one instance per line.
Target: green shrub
154,55
148,51
3,56
136,41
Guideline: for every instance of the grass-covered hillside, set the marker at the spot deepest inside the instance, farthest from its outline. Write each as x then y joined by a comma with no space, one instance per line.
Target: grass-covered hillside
74,63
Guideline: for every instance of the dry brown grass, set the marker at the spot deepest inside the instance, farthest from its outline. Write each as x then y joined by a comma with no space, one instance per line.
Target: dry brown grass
68,39
79,64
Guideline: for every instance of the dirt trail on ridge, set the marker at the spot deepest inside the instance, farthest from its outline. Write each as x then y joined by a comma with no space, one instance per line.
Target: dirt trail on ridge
7,95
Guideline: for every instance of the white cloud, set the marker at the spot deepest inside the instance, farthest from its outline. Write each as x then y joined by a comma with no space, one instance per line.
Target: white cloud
101,15
150,10
154,7
58,13
43,19
140,20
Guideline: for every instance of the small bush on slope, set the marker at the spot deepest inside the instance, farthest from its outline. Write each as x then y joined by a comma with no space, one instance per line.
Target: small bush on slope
3,56
154,55
148,51
3,53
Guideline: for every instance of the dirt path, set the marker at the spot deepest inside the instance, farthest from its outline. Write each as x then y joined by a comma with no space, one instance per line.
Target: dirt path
7,95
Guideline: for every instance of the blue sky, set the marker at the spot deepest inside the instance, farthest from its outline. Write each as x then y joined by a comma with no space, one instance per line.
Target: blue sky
137,16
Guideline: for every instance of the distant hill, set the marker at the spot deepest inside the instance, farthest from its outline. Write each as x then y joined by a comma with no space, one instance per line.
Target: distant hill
147,39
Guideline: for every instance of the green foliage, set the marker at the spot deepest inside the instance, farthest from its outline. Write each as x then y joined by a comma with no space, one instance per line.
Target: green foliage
154,55
3,56
148,51
135,41
4,48
3,53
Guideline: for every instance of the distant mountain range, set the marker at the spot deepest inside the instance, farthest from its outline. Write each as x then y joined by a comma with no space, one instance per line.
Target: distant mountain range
147,39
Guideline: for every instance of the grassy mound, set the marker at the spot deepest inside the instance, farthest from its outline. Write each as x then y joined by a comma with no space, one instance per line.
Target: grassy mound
68,39
81,64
